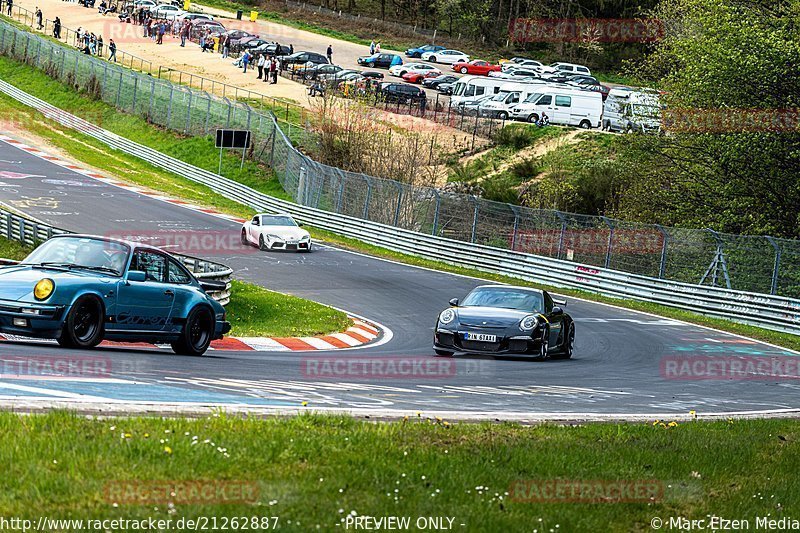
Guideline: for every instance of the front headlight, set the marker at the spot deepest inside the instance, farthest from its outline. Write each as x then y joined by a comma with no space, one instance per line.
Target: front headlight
447,316
528,323
274,237
43,289
305,238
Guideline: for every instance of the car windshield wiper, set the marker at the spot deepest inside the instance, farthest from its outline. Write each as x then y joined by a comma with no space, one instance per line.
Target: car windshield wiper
55,264
48,264
99,269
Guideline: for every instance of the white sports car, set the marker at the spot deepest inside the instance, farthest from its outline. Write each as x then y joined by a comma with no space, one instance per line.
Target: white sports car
276,232
420,68
450,57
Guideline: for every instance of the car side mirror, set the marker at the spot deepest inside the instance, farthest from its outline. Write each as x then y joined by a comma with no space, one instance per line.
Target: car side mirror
300,224
454,302
557,311
136,275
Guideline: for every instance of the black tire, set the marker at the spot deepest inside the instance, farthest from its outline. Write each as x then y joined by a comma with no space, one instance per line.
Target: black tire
464,70
307,250
244,238
585,124
83,326
197,333
533,118
432,59
261,244
568,346
502,115
443,353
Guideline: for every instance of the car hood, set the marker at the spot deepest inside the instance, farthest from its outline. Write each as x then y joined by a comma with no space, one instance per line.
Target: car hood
285,232
16,282
489,316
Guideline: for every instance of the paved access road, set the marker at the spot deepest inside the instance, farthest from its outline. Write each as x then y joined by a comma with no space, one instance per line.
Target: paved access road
617,368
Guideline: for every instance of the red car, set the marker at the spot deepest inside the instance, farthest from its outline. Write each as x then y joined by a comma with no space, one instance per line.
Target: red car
416,77
476,66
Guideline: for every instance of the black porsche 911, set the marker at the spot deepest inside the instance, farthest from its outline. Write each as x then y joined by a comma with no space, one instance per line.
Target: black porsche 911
503,319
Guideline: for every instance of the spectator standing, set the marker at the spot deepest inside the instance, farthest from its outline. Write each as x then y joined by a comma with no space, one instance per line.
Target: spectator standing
161,30
93,44
245,60
291,49
112,49
226,46
9,5
260,65
39,25
100,45
274,66
184,33
329,53
78,37
57,28
378,48
372,47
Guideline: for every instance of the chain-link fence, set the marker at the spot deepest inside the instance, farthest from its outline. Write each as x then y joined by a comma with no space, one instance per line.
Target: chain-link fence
749,263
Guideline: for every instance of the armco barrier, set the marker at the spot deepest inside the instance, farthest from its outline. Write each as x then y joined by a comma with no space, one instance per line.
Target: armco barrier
30,232
773,312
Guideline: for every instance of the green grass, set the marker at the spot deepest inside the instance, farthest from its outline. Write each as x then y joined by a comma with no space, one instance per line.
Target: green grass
313,470
255,311
261,178
13,250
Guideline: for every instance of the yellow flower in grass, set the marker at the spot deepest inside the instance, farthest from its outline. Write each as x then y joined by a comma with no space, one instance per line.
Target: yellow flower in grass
673,424
167,450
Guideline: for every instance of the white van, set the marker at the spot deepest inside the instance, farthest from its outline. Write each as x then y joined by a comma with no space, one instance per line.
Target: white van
566,106
509,96
628,110
571,68
470,87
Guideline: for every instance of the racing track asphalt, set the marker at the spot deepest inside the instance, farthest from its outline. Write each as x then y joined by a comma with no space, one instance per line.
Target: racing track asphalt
616,369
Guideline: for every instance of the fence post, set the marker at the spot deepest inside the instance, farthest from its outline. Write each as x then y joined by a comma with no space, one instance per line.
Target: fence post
399,202
610,239
515,209
189,114
365,214
119,89
340,199
776,268
474,200
662,267
169,108
436,211
563,219
208,111
152,97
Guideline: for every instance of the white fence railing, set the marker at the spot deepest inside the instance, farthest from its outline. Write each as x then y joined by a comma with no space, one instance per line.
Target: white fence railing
30,232
772,312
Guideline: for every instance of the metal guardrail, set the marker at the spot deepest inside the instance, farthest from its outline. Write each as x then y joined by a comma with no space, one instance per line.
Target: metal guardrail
32,233
772,312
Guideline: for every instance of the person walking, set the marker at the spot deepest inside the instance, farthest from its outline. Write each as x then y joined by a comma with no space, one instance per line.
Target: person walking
161,31
39,25
260,65
112,49
9,5
329,53
57,28
372,47
378,47
100,45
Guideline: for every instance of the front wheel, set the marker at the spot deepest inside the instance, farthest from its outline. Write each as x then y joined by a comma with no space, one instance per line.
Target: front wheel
196,334
544,346
585,124
432,59
83,327
261,244
533,118
244,238
464,70
503,115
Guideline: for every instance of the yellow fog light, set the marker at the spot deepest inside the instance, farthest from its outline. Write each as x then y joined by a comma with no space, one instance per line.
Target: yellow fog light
43,289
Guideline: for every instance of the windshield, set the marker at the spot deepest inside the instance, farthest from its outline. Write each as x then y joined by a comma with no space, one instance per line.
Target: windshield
459,88
277,221
505,298
501,96
82,252
647,111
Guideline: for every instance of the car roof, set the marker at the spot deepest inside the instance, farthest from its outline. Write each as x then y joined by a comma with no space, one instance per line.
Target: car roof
275,215
498,286
134,245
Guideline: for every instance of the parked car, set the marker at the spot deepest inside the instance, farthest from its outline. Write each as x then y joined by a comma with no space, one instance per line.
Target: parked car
314,71
571,68
301,59
565,105
237,44
583,80
629,111
372,74
473,105
271,49
235,35
475,67
402,93
82,289
510,95
145,4
418,51
194,17
166,11
380,60
434,83
445,88
448,57
470,87
495,319
275,232
416,77
420,68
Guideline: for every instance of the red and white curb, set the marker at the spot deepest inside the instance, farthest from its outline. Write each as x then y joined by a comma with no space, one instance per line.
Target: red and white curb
359,334
362,332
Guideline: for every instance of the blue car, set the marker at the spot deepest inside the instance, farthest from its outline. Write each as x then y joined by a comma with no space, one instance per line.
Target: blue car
417,52
81,289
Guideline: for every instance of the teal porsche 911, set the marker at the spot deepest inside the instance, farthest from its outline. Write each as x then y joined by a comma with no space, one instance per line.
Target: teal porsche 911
81,289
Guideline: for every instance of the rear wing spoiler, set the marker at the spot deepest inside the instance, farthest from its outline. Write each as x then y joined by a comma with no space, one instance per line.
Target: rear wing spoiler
562,303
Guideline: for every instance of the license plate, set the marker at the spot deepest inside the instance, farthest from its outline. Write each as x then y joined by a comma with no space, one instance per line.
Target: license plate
291,242
480,337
